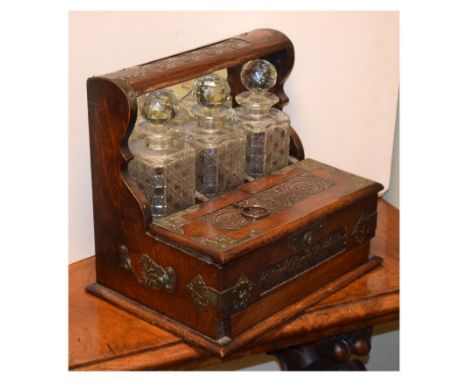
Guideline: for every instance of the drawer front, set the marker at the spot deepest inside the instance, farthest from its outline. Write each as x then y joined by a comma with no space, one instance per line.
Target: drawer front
338,243
305,250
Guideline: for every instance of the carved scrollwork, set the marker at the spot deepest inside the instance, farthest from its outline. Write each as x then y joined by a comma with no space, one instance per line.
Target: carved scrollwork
283,195
286,194
308,253
224,242
227,218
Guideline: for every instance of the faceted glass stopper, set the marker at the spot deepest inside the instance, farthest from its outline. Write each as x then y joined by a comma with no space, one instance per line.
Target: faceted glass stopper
160,106
258,75
211,90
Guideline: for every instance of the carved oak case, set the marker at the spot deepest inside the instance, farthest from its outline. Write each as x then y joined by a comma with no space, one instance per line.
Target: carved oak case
213,274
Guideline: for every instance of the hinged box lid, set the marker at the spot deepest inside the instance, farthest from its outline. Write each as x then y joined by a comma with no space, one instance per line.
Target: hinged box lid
225,227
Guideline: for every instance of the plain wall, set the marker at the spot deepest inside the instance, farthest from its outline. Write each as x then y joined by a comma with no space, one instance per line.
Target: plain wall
343,94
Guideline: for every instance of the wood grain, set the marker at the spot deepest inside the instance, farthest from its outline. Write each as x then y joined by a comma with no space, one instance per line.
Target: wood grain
103,337
121,212
201,256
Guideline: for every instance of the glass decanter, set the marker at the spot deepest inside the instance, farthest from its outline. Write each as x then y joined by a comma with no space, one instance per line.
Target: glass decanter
163,164
266,128
220,152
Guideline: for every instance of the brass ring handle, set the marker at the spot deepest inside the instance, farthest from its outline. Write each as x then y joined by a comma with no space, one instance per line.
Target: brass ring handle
255,212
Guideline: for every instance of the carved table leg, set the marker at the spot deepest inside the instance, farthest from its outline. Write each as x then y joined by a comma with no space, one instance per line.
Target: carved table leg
331,353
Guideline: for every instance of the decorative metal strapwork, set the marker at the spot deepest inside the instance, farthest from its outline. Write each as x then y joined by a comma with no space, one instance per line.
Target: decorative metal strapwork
169,63
155,276
152,275
229,301
176,221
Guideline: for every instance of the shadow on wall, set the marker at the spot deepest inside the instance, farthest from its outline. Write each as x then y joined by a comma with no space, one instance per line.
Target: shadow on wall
393,194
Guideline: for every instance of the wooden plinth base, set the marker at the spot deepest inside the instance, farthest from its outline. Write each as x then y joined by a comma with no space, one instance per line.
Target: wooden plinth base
227,346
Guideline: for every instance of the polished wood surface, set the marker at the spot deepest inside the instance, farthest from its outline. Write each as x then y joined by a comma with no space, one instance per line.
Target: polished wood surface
219,282
122,214
103,337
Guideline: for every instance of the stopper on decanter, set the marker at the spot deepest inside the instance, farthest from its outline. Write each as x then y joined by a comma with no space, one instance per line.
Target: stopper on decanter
160,106
258,75
211,91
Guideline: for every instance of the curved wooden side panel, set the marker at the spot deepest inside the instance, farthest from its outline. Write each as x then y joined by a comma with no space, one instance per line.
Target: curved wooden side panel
112,114
125,254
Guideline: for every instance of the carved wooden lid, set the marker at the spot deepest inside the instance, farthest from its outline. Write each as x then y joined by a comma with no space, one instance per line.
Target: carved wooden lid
262,211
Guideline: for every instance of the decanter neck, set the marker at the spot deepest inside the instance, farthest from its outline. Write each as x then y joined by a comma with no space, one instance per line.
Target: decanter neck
209,123
160,138
257,111
257,102
211,118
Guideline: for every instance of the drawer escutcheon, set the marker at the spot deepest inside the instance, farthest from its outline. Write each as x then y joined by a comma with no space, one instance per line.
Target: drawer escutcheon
303,239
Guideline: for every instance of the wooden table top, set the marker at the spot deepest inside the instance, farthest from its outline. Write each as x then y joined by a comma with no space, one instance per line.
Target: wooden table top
103,337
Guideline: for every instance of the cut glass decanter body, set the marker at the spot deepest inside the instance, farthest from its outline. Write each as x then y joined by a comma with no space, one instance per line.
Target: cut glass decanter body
220,151
163,164
266,128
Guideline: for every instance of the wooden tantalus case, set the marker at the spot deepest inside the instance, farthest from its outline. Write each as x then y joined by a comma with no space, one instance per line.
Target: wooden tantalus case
210,274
